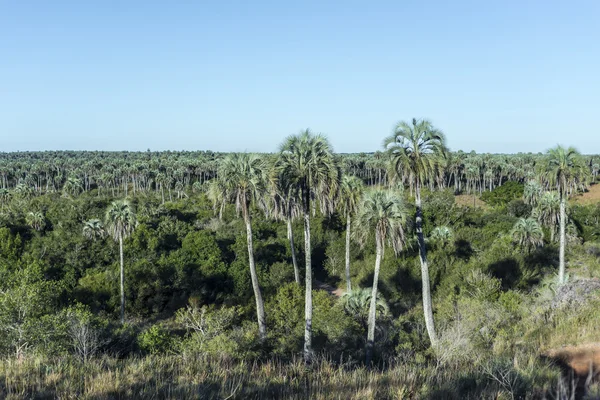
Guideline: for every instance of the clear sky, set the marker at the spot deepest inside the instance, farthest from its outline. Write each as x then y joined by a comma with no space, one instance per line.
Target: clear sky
497,76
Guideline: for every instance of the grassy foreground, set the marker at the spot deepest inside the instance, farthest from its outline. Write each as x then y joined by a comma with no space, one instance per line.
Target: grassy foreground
174,377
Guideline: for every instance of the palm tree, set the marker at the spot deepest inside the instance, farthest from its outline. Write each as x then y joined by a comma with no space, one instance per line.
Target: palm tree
244,178
357,303
532,192
418,149
72,186
442,235
284,198
561,171
384,213
351,190
5,196
215,191
35,220
547,212
93,229
120,221
527,234
307,160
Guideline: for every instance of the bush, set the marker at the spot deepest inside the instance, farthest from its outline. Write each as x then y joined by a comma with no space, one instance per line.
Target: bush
155,340
502,195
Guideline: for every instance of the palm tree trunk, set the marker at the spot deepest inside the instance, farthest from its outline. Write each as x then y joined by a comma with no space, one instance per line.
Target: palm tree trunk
308,289
373,305
260,306
348,283
290,233
561,253
122,278
427,307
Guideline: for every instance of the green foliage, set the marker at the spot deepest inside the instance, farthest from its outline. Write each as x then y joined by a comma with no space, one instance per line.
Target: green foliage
155,340
502,195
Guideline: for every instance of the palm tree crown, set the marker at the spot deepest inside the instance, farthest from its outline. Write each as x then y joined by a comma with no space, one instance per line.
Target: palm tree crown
417,150
383,213
120,219
528,234
93,229
308,161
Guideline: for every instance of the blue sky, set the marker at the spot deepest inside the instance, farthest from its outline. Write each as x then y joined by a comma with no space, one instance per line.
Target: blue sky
497,76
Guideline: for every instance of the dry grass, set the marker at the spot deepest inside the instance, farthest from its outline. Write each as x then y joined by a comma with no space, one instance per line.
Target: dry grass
467,200
590,197
174,377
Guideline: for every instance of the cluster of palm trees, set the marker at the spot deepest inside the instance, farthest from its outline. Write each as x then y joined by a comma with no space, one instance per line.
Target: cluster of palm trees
176,174
306,176
557,177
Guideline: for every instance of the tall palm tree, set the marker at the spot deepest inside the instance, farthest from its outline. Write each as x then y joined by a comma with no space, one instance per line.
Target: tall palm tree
120,221
93,229
561,170
351,191
384,213
244,178
417,149
308,161
284,198
527,234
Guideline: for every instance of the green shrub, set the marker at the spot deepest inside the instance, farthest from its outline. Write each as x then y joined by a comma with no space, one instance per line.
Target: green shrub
502,195
155,339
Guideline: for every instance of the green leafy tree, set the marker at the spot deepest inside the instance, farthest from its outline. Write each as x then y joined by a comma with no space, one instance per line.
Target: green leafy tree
244,178
307,160
418,150
120,221
383,213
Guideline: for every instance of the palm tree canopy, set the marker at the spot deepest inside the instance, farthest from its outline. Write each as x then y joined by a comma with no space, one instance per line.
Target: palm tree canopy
417,149
243,178
547,211
441,234
351,191
561,167
383,212
120,219
356,303
93,229
528,233
532,192
307,160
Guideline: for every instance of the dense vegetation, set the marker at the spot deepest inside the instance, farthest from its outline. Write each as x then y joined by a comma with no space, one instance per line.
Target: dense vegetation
205,275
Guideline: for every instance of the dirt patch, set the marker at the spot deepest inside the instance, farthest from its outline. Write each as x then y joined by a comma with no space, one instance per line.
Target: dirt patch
337,292
590,197
467,200
582,360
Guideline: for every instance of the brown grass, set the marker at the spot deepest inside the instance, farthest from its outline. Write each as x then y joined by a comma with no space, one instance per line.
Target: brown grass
590,197
467,200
